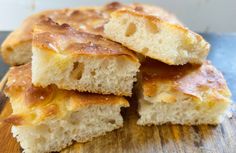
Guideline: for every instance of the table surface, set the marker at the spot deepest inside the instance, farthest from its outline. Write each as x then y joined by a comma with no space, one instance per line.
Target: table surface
222,55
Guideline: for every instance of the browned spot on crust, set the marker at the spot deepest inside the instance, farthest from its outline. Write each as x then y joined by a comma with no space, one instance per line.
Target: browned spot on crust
150,88
65,40
51,110
113,6
204,78
15,120
18,79
37,95
139,8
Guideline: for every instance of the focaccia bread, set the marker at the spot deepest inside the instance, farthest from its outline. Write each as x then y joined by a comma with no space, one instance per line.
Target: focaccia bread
159,38
81,61
182,94
16,49
49,119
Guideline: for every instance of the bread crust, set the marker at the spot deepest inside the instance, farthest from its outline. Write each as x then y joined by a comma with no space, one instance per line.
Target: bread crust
27,100
192,80
189,47
186,95
63,39
89,19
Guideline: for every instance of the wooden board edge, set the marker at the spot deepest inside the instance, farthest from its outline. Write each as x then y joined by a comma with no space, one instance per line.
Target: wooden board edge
3,98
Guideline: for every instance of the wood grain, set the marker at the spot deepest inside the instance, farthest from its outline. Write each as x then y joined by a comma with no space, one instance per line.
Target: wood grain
138,139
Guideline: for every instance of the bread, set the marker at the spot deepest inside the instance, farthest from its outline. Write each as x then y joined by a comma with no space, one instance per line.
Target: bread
182,94
156,37
81,61
49,119
16,49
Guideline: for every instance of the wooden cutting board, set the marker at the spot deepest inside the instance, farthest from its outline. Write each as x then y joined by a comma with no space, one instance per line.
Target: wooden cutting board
137,139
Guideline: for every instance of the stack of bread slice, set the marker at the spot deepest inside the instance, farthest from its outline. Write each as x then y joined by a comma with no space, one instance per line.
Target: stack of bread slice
79,63
184,88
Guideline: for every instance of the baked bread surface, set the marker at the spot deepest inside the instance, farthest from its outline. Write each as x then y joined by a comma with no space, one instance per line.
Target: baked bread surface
49,119
189,94
81,61
16,49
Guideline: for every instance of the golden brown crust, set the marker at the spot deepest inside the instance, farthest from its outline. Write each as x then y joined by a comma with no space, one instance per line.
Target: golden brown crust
89,19
15,119
143,9
193,80
32,105
64,39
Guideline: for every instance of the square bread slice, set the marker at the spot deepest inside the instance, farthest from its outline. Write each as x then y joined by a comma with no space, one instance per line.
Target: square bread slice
81,61
182,94
150,34
16,49
49,119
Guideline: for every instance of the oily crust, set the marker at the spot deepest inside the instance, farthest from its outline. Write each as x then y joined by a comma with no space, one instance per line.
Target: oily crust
32,105
63,39
201,82
89,19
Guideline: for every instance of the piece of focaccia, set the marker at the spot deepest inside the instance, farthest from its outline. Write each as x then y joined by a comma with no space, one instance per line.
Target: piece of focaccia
81,61
16,49
49,119
156,37
182,94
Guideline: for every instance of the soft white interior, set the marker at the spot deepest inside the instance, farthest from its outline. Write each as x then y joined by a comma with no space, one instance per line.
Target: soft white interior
156,40
183,111
81,126
104,74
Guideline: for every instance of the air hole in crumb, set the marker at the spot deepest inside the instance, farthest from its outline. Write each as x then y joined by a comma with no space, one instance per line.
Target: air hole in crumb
77,71
160,41
152,27
145,50
99,85
112,121
93,73
131,29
